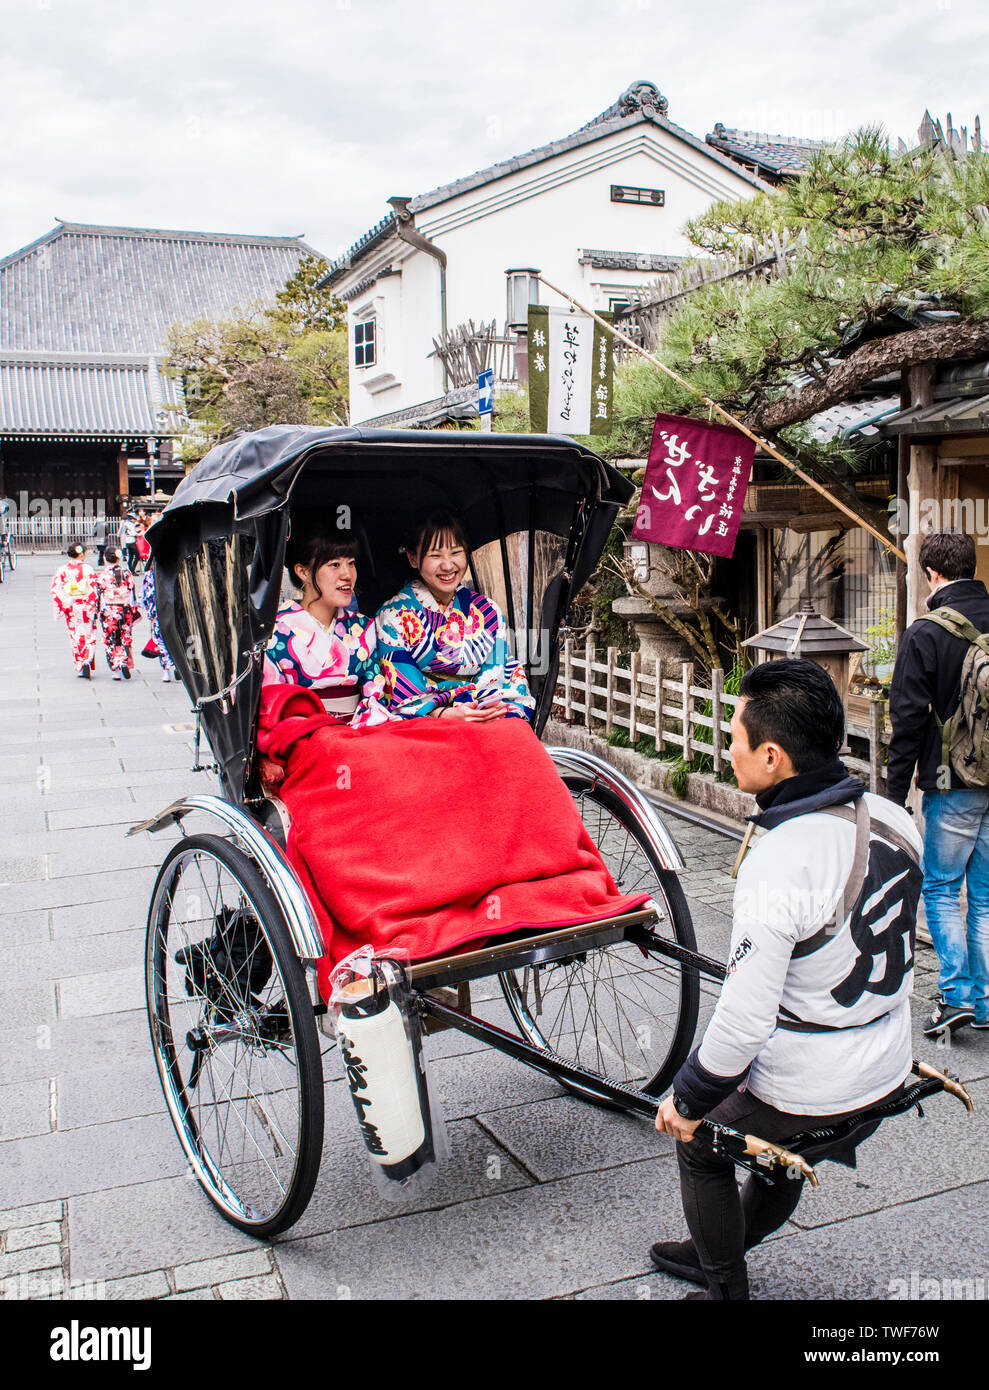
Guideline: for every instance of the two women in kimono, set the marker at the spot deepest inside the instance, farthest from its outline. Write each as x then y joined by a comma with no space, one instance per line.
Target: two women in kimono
436,649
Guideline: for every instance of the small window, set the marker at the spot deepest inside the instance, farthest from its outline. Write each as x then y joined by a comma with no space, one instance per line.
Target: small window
364,343
616,306
622,193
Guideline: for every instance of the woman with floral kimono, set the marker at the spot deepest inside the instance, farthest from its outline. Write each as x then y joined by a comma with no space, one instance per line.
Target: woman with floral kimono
151,613
323,643
74,598
118,611
444,647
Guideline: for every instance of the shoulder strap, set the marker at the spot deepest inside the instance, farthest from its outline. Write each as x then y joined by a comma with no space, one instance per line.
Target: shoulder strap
952,621
853,885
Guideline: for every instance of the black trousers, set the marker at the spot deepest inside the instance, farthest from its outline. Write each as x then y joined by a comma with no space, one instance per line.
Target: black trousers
724,1222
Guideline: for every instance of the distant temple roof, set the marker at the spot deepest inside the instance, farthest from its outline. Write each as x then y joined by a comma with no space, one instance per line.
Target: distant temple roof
773,157
83,288
85,311
85,396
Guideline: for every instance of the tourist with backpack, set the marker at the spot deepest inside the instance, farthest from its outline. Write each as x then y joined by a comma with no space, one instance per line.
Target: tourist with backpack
939,709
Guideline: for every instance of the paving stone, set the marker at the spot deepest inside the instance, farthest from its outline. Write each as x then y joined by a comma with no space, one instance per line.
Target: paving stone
71,1046
133,885
125,1230
466,1083
105,992
102,1094
24,1109
24,929
876,1256
222,1270
153,1285
537,1242
82,1160
30,1003
26,1261
22,869
253,1289
26,1237
192,1296
94,918
30,1215
53,960
905,1159
348,1193
556,1138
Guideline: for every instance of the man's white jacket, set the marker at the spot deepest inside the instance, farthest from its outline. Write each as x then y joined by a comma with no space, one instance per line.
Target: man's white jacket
814,1016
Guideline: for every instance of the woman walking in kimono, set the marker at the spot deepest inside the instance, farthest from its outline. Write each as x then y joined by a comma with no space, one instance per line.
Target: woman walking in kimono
168,672
118,611
74,598
444,647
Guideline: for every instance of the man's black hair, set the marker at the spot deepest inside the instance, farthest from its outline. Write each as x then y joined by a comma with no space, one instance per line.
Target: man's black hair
950,553
795,703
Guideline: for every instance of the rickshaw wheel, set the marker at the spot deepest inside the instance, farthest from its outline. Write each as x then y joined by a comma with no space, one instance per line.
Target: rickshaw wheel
234,1035
612,1010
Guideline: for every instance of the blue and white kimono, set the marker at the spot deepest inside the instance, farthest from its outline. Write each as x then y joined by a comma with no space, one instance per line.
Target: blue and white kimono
432,657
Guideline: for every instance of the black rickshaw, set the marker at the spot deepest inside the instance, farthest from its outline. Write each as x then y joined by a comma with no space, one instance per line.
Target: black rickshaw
608,1008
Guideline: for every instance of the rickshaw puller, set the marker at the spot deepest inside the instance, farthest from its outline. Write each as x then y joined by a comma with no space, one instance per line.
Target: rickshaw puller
807,1027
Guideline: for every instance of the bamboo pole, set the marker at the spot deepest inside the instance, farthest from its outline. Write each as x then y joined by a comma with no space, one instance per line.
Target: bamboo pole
737,424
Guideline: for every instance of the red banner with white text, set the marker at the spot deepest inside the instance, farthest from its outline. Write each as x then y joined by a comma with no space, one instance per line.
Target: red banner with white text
694,485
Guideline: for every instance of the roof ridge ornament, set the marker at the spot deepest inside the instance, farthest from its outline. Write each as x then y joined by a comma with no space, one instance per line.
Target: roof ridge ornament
641,96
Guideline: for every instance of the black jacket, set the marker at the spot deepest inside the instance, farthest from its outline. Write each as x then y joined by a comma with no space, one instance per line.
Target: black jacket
928,675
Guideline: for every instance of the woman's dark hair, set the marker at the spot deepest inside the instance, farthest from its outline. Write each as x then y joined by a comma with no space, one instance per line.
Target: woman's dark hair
75,551
950,554
795,703
314,550
111,555
433,526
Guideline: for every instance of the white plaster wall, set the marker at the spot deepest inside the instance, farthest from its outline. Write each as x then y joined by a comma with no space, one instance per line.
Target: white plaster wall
542,217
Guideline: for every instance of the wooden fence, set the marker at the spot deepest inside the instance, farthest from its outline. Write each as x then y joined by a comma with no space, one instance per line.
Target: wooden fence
659,700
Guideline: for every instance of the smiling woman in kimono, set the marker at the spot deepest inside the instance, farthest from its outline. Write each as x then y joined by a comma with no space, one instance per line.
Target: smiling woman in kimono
444,647
322,643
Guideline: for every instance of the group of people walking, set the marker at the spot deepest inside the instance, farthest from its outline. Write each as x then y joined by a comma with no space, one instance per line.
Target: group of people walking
104,602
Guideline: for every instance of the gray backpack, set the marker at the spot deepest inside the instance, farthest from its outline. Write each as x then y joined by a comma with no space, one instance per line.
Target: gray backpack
965,734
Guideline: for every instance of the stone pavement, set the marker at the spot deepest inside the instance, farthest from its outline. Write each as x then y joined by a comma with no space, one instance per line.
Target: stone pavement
542,1197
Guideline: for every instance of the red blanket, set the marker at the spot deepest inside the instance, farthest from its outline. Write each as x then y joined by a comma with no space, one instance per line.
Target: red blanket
423,834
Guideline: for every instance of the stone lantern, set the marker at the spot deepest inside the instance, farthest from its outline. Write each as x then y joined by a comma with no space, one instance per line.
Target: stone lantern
806,633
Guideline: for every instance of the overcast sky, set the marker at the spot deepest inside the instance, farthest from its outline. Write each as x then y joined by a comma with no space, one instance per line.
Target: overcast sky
303,116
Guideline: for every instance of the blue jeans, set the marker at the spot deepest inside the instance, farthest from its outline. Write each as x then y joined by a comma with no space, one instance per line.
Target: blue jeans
956,851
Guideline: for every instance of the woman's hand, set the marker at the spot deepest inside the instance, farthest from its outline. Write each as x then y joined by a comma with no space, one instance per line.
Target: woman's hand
475,713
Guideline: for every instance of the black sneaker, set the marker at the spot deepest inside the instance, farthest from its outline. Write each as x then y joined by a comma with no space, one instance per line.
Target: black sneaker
678,1258
946,1018
84,673
125,672
981,1026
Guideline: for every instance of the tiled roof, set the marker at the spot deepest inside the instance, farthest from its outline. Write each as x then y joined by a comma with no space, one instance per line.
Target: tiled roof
640,102
777,155
961,415
99,289
84,396
853,417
